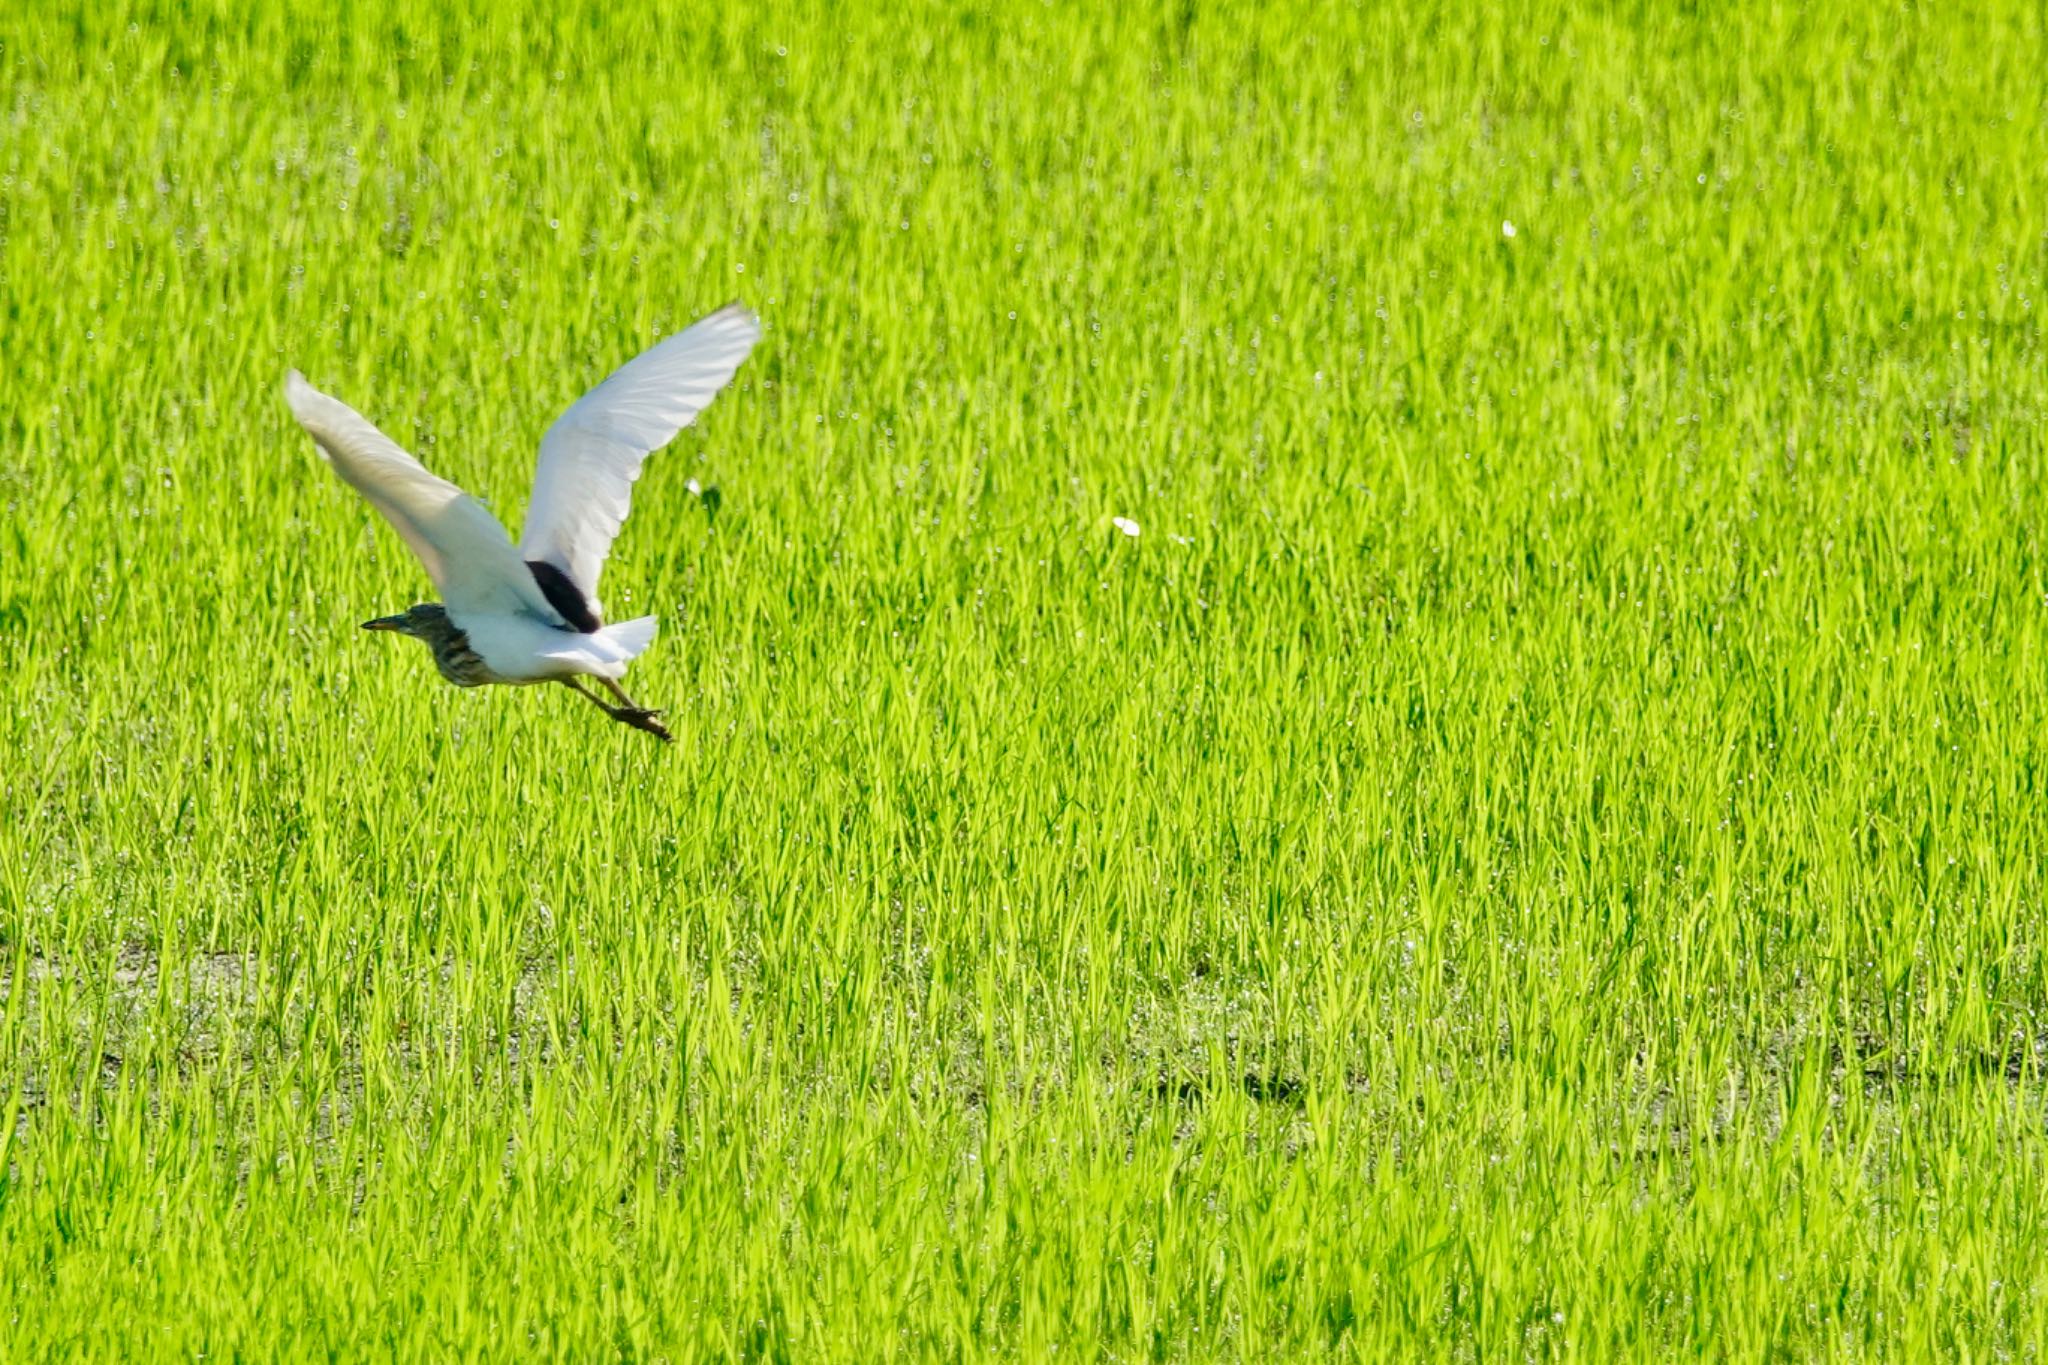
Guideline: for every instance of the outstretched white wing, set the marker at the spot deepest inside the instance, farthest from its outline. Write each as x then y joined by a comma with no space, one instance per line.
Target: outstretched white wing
591,455
465,550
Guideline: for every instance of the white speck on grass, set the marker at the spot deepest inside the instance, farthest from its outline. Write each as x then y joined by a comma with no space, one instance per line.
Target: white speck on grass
1126,525
1507,229
693,488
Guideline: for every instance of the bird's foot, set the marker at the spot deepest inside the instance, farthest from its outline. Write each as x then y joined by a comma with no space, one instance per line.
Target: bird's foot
640,719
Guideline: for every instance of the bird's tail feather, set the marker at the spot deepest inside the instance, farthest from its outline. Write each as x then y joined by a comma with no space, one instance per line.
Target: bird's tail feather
632,637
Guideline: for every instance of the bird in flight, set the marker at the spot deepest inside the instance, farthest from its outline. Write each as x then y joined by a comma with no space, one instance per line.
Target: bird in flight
531,615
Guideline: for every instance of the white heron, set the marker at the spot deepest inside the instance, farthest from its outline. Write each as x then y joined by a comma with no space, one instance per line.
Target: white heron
531,614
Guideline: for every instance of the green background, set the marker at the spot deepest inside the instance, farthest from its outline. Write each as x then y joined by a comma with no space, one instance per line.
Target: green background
1533,851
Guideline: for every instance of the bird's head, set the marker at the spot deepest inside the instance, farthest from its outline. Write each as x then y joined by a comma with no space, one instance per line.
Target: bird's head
425,621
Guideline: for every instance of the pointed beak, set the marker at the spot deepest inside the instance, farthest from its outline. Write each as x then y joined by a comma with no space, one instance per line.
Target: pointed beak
385,623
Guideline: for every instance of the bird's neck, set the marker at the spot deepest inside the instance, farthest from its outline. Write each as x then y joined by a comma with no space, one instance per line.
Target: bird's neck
458,663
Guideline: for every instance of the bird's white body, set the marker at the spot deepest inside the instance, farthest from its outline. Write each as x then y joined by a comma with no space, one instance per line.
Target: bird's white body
530,614
522,648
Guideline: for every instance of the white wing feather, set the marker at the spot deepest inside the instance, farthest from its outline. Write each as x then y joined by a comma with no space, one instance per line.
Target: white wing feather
590,457
464,548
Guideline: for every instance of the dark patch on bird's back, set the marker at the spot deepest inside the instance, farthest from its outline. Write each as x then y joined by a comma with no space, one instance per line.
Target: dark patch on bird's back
564,596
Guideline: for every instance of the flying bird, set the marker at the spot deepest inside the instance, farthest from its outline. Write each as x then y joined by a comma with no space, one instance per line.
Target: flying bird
531,614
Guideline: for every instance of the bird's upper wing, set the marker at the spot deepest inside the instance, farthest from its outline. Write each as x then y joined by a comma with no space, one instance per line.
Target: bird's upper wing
591,455
464,548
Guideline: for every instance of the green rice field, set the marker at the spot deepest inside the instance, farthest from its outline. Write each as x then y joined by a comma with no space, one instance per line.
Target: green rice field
1365,682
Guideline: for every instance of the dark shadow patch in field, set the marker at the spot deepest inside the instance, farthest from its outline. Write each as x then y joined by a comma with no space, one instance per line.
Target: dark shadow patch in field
1265,1087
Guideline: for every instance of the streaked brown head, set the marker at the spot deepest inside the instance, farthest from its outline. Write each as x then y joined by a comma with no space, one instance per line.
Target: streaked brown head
429,622
425,621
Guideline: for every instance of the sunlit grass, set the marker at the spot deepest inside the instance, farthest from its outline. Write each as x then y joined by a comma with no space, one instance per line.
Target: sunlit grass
1532,848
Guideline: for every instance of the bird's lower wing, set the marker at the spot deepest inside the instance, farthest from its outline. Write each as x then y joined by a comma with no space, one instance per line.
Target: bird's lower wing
590,457
464,548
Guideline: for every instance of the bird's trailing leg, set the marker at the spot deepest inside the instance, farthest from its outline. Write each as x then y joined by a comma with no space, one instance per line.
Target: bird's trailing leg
620,693
634,714
639,717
